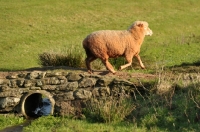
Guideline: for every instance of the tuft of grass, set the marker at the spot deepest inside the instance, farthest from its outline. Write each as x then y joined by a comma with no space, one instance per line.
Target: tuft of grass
70,58
109,109
53,59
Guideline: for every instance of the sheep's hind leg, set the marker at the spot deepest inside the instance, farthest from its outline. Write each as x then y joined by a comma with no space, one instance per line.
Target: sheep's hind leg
108,65
88,60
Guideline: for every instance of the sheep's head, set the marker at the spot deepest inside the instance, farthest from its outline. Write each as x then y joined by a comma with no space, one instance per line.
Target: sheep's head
143,26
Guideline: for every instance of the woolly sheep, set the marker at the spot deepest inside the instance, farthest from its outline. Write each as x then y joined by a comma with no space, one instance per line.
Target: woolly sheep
107,44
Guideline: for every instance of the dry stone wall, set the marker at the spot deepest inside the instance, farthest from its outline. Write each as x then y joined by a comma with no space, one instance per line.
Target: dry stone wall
66,90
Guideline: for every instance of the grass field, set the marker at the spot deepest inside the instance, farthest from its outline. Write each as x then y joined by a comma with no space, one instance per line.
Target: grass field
29,28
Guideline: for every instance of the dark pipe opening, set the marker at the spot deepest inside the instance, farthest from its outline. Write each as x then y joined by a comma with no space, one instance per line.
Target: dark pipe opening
32,102
36,104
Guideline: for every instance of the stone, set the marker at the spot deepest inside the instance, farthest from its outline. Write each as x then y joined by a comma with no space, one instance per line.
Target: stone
3,81
53,74
61,77
36,75
82,94
69,86
13,84
68,96
11,93
104,91
3,103
35,88
95,92
12,76
8,101
65,96
41,75
63,81
72,86
33,75
46,81
20,82
104,81
4,88
49,87
62,87
22,75
23,90
73,77
58,73
87,82
28,83
64,108
54,81
39,83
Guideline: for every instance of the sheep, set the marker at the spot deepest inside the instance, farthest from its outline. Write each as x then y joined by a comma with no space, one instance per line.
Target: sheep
105,44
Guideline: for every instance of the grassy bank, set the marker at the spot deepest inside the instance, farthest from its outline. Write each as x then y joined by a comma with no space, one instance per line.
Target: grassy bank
176,111
29,28
9,120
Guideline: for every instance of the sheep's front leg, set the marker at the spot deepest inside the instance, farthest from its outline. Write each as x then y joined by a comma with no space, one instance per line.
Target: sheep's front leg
140,61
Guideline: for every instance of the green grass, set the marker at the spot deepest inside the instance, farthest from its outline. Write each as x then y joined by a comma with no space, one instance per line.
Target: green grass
29,28
60,124
9,120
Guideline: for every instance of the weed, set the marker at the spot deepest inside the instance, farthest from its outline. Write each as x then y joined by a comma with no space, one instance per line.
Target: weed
53,59
109,110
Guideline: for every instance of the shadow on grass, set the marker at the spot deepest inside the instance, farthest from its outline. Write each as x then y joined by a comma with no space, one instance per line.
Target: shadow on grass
44,68
187,67
197,63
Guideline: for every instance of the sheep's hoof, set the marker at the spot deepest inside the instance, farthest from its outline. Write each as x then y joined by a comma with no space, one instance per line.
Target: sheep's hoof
90,71
143,67
114,72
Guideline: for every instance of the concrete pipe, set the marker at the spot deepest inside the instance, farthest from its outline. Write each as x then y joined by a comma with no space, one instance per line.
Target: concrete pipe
32,100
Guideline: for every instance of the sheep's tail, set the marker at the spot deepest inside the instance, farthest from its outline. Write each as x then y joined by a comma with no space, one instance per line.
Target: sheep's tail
85,43
85,46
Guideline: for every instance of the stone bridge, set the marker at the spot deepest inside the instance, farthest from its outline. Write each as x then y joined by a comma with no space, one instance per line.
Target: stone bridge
22,92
